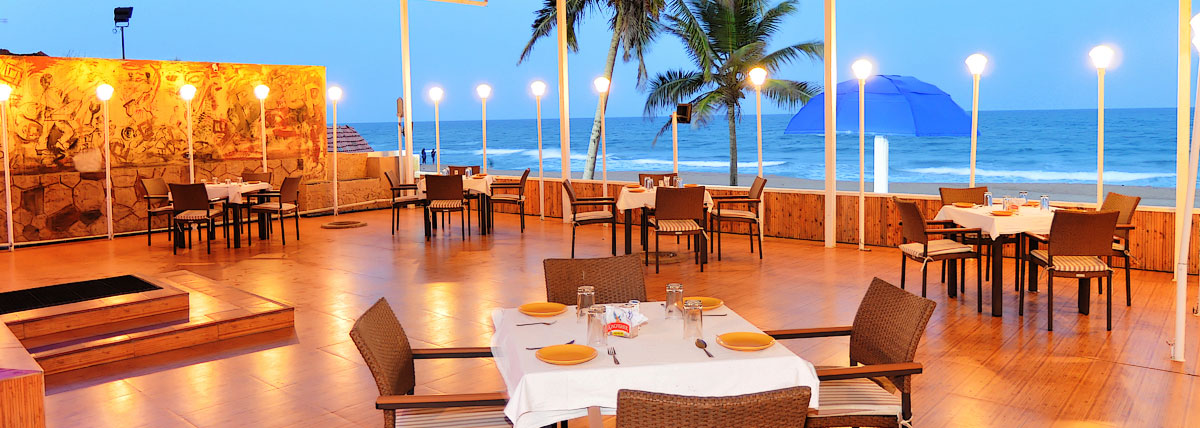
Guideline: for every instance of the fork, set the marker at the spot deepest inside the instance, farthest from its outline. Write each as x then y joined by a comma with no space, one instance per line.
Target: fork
536,323
613,351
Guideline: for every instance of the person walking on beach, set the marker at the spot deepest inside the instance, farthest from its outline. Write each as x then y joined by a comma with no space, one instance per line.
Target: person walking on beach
424,157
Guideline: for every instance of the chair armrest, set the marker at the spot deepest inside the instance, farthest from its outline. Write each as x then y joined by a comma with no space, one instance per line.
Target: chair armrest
154,197
737,200
1125,227
513,184
805,333
405,187
940,222
432,353
589,203
715,197
954,230
597,198
1039,238
873,370
393,402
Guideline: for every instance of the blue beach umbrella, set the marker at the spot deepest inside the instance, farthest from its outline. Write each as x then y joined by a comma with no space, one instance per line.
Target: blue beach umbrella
895,105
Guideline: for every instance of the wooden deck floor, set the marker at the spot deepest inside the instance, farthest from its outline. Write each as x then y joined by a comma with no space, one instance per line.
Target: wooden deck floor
980,371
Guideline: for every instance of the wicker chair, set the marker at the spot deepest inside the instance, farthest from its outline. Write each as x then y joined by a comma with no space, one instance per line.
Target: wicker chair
752,200
158,201
884,338
917,246
400,199
385,348
517,199
264,177
445,195
591,217
680,212
617,279
786,407
973,195
192,206
287,202
1080,239
1126,206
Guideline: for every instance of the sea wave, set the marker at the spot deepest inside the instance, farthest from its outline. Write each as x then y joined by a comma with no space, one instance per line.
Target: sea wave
1109,176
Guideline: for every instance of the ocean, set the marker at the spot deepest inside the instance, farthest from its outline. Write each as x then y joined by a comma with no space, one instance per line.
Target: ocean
1051,146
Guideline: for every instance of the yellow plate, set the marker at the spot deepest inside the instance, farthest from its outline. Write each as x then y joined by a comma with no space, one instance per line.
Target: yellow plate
566,355
706,303
633,186
964,204
637,190
1033,204
745,341
1002,213
691,185
542,309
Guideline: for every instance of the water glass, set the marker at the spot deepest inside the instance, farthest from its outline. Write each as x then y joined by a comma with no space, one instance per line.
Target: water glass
595,326
468,174
674,301
1045,202
648,183
585,299
693,319
678,181
445,170
1023,198
987,199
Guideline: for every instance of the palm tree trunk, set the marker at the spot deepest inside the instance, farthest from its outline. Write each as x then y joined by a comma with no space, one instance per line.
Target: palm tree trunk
589,167
733,160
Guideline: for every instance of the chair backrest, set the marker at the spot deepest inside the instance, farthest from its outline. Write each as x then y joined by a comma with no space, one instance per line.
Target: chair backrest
658,178
289,191
756,189
912,221
973,195
264,177
570,189
617,279
673,203
391,181
189,196
1125,205
1082,233
888,327
444,187
786,407
384,347
524,178
462,170
155,186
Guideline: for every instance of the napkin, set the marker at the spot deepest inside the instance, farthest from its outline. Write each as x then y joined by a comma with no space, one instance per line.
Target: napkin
623,322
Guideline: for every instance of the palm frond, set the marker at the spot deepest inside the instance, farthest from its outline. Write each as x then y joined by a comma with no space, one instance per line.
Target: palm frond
672,87
703,107
789,93
814,50
546,19
769,23
684,24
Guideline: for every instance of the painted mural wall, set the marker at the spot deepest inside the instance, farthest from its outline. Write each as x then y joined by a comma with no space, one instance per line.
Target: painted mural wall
56,137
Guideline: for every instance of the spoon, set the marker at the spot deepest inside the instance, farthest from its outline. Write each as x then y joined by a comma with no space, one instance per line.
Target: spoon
701,344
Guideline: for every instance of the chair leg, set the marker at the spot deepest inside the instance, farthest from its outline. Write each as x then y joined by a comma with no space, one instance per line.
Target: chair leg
978,283
1108,303
943,272
1020,301
760,234
282,232
718,232
393,219
962,276
572,241
925,276
523,217
703,246
149,227
463,225
655,252
1100,284
613,229
296,216
1050,301
903,265
174,246
1128,292
208,243
987,273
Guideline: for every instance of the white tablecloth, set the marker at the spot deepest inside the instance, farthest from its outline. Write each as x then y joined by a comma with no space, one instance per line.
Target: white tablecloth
1028,219
658,360
233,191
628,200
473,185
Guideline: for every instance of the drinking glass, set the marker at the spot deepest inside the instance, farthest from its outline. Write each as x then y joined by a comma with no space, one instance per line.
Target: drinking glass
445,170
585,299
674,300
693,320
987,199
678,181
595,326
648,183
1045,202
1023,197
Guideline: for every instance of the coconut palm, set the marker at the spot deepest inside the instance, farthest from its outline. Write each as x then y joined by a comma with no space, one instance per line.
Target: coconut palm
634,24
725,39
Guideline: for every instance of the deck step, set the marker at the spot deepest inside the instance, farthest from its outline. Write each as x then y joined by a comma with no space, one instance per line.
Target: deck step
71,322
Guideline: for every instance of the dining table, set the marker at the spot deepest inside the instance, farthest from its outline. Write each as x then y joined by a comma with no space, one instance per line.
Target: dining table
660,359
480,185
234,194
631,198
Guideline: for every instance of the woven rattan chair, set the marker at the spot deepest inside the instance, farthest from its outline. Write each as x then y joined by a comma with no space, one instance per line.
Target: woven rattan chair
680,212
1126,206
591,217
616,279
264,177
786,407
884,337
286,202
917,246
401,199
158,201
517,199
750,215
385,348
1077,241
192,206
973,195
445,195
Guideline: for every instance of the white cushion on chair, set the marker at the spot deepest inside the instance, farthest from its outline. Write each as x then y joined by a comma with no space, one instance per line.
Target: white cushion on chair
735,214
593,215
937,247
1071,263
508,197
406,198
445,204
274,206
856,397
676,226
485,417
198,214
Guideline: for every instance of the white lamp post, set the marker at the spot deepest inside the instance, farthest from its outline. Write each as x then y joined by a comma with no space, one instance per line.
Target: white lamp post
261,92
862,70
539,89
435,94
484,91
335,94
976,64
187,92
1183,251
5,92
104,92
1101,58
601,84
758,76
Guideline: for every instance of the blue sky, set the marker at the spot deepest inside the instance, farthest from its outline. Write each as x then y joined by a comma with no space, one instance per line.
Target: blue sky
1038,50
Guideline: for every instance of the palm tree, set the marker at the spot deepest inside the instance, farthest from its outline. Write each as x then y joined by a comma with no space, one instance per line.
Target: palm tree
725,39
634,24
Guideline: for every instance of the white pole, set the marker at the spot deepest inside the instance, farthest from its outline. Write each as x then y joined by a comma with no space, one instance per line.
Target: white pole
974,125
7,177
437,137
604,150
107,172
564,114
1183,107
1100,138
335,159
484,167
1184,251
191,150
830,124
862,173
541,171
758,123
262,129
675,141
406,75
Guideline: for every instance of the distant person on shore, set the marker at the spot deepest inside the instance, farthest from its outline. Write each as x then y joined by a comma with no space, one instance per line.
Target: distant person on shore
424,157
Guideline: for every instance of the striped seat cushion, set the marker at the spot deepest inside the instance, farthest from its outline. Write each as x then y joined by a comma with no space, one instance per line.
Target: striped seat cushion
406,198
508,197
445,204
198,214
856,397
162,209
274,206
593,215
1117,246
1072,263
937,247
727,213
676,226
484,417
